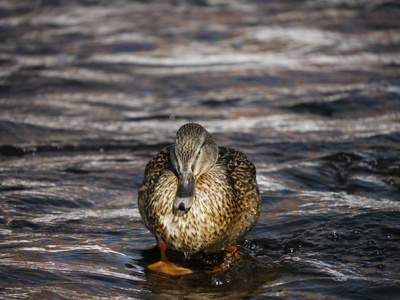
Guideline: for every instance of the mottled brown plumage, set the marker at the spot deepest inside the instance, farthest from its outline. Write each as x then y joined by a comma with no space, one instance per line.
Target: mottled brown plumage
217,202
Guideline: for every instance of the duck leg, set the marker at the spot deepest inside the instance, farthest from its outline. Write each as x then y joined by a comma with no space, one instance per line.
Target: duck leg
165,266
232,255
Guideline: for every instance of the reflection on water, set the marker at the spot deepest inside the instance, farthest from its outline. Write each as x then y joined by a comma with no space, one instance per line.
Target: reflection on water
90,91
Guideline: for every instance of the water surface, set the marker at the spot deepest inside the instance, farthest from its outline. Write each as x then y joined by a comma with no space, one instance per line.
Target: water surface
91,90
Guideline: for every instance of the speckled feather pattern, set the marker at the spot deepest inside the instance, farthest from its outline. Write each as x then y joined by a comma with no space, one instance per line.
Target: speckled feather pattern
226,206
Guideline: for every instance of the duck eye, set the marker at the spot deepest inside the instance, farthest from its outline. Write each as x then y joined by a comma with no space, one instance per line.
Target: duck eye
199,152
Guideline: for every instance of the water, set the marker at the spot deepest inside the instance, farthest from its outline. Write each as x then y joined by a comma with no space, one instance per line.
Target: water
91,90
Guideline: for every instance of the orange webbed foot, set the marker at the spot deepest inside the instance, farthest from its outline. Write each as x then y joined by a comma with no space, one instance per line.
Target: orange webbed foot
169,268
165,266
232,255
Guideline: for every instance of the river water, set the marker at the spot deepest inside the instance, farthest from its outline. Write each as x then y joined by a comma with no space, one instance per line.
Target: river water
91,90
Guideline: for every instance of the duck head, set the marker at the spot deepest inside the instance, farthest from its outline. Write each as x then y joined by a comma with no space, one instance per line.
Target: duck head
193,154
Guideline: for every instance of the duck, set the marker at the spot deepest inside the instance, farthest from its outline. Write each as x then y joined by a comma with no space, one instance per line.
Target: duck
197,196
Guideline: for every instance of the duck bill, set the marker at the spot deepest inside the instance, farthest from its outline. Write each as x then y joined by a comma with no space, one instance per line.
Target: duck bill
185,192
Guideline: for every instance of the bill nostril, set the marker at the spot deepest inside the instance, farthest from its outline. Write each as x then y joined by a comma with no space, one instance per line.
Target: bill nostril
183,204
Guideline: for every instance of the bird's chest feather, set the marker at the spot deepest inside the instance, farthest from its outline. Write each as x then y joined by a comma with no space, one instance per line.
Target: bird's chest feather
206,217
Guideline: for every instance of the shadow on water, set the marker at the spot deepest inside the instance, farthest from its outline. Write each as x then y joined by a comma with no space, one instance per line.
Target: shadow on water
248,275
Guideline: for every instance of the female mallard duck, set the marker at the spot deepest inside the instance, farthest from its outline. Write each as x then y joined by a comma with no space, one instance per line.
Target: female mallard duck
197,196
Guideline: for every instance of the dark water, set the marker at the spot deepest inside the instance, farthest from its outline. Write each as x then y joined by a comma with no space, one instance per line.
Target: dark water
309,90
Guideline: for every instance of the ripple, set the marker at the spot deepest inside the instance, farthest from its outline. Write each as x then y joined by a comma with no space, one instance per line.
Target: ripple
78,214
